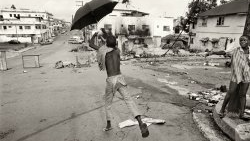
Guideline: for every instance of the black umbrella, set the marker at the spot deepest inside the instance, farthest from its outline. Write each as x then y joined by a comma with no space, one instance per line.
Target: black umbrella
92,12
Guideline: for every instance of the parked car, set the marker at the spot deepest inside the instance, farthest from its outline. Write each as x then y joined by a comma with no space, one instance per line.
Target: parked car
47,42
14,42
75,40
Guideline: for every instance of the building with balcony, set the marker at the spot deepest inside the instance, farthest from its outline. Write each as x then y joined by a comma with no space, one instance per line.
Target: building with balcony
25,25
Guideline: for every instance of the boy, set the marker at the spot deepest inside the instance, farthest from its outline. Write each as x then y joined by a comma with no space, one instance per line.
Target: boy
235,98
108,58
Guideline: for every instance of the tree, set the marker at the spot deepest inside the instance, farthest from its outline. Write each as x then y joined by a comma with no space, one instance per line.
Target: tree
194,8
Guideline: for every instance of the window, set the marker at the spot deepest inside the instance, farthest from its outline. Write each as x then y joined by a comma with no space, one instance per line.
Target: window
4,27
144,27
192,41
166,28
157,26
14,15
204,22
27,27
44,26
20,27
220,21
10,15
131,27
38,26
108,26
29,15
18,15
10,26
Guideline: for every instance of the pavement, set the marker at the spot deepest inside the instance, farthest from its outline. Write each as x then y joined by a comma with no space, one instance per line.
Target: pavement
236,129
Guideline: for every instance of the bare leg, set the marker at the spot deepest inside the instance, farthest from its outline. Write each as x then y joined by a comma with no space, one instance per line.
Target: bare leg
108,98
133,108
242,93
232,89
108,127
143,127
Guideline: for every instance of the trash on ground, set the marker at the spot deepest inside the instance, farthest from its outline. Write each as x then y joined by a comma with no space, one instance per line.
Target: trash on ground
210,97
5,134
25,71
211,64
148,121
193,82
166,81
138,96
68,64
247,111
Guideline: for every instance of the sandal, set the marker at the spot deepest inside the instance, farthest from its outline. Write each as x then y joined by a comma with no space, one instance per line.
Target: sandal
107,129
144,130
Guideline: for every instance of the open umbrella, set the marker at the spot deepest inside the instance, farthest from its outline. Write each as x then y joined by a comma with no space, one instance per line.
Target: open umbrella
92,12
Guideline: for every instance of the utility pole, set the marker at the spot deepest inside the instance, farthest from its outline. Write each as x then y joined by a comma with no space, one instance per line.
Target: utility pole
84,29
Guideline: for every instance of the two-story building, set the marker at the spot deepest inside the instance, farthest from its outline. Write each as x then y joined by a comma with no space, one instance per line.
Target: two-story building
220,27
25,25
136,27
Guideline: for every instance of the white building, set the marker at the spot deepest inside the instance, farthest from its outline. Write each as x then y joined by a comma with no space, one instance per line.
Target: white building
220,27
25,25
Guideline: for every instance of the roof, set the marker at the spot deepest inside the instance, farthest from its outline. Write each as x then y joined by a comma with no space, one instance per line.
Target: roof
234,7
23,11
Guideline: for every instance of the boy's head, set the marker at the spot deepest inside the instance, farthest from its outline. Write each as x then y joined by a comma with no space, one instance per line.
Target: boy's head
244,41
111,41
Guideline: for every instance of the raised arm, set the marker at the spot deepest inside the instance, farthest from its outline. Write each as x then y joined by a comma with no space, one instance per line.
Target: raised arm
92,42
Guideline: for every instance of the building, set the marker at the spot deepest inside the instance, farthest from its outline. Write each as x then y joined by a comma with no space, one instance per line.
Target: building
133,20
25,25
220,27
136,27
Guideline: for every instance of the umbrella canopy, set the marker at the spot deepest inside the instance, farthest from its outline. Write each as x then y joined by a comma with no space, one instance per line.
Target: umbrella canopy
92,12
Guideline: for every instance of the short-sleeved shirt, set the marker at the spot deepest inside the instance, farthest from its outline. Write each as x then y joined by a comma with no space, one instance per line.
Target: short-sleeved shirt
240,70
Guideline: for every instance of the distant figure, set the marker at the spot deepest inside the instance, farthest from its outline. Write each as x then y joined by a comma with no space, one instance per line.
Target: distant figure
235,98
108,57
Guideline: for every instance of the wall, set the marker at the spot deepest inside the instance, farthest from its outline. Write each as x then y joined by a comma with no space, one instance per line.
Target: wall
4,38
232,29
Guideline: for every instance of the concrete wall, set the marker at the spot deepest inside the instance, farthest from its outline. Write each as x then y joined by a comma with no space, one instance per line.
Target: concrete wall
232,29
4,38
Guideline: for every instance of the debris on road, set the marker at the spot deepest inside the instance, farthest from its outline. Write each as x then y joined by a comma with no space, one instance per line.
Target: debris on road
209,97
68,64
5,134
211,64
138,96
148,121
166,81
24,71
193,82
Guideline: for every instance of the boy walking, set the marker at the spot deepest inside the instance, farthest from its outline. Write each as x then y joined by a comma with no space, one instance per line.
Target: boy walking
108,57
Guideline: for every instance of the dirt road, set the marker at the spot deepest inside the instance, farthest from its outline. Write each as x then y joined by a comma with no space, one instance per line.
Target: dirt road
48,104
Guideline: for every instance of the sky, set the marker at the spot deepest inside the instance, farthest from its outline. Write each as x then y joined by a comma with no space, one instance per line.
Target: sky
64,9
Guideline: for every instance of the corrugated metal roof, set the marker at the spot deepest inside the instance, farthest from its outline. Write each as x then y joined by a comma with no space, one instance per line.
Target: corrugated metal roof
234,7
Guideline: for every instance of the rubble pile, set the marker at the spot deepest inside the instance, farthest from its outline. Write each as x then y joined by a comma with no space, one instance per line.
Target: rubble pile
66,64
210,97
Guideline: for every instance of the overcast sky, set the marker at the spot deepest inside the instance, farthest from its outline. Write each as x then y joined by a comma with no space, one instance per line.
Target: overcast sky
64,9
